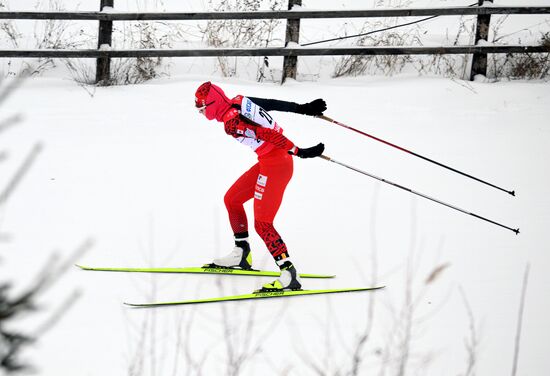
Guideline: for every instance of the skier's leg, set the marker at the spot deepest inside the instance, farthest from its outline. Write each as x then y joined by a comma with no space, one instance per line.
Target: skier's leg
273,241
275,173
240,192
289,279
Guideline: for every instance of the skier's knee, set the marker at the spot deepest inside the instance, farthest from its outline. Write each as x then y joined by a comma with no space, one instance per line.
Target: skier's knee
229,201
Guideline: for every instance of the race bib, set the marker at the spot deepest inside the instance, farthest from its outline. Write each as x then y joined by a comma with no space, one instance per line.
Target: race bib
259,116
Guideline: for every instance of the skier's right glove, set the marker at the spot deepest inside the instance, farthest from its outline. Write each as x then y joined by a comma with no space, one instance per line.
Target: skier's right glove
311,152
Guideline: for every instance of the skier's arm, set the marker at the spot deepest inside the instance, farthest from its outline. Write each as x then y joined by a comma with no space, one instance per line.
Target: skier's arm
275,105
238,128
314,108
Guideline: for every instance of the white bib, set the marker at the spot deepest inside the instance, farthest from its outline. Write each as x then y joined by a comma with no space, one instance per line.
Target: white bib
259,116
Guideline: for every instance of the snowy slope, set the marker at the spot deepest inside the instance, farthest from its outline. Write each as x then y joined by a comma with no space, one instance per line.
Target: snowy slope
139,171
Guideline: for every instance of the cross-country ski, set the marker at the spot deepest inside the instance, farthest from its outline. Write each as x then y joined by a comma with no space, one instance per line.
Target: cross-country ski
206,269
259,294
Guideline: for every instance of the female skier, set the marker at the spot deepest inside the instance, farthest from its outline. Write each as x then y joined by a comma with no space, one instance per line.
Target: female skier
247,120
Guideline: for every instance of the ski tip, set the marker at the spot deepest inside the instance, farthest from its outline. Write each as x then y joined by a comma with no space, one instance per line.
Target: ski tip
83,267
148,305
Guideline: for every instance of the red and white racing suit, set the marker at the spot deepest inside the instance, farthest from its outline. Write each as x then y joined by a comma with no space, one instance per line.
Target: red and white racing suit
266,181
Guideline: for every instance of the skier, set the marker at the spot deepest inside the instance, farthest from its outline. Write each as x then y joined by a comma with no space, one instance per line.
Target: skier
247,120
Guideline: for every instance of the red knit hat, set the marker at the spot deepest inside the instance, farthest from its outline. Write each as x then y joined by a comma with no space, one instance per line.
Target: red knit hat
202,94
212,101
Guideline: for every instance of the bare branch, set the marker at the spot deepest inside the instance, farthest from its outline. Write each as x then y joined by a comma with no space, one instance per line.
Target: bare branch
357,357
61,310
473,342
436,272
9,122
12,85
520,320
23,169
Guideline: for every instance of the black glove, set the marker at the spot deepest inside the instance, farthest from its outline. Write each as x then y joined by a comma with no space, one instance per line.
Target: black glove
311,152
315,108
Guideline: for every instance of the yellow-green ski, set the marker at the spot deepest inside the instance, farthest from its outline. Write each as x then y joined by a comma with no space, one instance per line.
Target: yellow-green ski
204,269
254,295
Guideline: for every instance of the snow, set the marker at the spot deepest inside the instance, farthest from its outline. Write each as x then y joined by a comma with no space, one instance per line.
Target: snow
108,10
483,42
139,171
292,45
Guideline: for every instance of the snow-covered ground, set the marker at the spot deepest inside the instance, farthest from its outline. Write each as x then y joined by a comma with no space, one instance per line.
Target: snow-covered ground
142,173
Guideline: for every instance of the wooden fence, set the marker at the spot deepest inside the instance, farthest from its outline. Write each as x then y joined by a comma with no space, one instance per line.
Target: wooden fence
107,16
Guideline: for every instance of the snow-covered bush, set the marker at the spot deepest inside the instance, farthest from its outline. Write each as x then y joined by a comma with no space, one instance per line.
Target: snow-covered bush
253,33
385,33
139,35
242,34
522,66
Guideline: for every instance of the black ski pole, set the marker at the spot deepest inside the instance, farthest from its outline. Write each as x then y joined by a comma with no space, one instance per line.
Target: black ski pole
419,194
513,193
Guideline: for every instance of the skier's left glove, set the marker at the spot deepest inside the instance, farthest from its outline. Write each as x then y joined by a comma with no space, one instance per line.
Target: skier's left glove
315,108
311,152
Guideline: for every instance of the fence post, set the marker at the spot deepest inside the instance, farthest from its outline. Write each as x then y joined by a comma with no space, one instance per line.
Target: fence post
103,67
479,60
290,63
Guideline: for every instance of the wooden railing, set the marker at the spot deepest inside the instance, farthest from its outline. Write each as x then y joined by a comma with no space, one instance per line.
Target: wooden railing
106,18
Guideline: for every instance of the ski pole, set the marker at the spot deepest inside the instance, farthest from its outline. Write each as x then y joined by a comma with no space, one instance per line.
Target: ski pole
415,154
418,193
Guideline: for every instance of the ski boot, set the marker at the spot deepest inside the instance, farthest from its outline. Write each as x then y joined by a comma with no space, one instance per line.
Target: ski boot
240,257
288,281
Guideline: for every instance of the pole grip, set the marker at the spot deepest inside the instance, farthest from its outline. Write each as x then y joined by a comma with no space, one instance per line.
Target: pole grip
325,117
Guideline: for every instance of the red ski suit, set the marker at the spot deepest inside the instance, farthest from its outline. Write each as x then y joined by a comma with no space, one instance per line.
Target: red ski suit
266,181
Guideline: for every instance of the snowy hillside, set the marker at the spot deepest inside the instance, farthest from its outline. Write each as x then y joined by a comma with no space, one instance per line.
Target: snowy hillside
139,174
142,173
